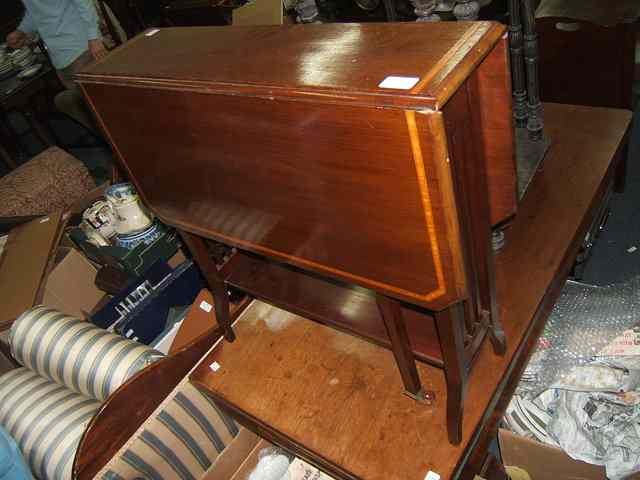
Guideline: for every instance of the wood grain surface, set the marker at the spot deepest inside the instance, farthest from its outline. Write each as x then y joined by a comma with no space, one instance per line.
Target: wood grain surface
318,62
493,104
336,304
273,139
353,193
336,400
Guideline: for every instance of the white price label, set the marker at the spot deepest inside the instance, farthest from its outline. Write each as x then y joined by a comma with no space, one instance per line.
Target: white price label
432,476
215,366
399,83
206,306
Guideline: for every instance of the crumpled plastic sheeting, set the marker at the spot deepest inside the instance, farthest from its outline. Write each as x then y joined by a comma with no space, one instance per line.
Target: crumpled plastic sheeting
598,428
583,381
585,319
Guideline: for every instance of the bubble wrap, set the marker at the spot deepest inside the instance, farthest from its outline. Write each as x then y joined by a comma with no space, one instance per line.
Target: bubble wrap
585,319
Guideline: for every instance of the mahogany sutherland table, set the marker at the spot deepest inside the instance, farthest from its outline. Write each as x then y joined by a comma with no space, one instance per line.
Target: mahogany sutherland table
333,399
359,161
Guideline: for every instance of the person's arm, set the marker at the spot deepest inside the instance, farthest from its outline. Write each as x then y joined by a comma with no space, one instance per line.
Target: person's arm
18,38
27,25
88,13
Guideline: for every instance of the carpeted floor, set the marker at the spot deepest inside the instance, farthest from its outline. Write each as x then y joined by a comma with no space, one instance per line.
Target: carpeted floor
616,254
74,138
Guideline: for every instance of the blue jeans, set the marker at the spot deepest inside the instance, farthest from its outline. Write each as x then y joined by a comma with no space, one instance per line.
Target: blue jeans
12,466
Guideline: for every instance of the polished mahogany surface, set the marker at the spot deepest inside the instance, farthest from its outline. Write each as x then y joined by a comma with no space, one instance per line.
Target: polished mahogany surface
493,105
356,193
334,399
284,151
337,304
343,62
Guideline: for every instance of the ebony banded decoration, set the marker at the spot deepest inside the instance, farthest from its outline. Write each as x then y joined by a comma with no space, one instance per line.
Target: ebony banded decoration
357,168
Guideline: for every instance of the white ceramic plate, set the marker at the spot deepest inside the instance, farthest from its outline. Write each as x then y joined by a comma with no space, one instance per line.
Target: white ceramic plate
25,63
29,72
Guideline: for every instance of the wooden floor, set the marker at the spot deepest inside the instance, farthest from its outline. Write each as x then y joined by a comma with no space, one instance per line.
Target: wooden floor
337,400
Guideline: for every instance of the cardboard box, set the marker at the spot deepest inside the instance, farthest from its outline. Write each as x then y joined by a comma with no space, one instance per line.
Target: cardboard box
242,455
544,462
25,261
298,469
140,311
232,457
70,287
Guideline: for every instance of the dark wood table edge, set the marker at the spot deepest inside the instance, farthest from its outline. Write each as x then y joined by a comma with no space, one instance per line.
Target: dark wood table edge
473,461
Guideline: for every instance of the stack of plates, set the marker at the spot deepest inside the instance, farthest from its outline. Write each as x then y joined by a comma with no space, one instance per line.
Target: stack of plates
5,61
22,58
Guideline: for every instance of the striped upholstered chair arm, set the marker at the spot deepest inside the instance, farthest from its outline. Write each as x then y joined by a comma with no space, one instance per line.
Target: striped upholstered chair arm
179,441
75,353
45,419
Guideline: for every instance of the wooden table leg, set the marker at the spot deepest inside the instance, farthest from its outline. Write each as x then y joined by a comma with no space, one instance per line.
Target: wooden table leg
198,249
450,325
396,329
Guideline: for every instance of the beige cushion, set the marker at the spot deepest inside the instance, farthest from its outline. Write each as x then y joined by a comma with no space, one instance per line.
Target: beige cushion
49,182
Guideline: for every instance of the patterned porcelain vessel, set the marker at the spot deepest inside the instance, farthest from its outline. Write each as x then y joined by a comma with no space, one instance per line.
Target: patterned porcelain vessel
93,235
101,217
131,241
131,216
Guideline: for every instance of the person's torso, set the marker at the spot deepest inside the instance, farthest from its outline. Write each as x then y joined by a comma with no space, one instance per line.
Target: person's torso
62,28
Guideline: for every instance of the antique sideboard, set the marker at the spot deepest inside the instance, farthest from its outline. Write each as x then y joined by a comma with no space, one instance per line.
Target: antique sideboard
358,169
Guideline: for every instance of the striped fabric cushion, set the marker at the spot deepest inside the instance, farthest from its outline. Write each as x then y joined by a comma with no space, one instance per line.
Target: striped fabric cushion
180,441
75,353
45,419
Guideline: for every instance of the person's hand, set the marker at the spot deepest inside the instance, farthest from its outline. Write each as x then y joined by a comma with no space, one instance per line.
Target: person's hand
17,39
97,49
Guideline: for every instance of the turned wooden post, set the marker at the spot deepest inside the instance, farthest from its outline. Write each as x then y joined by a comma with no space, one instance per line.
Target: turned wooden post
307,11
466,10
424,10
445,6
535,122
517,65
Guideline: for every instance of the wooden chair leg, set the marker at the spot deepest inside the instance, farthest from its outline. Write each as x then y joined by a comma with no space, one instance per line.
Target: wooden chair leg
396,329
198,249
450,325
